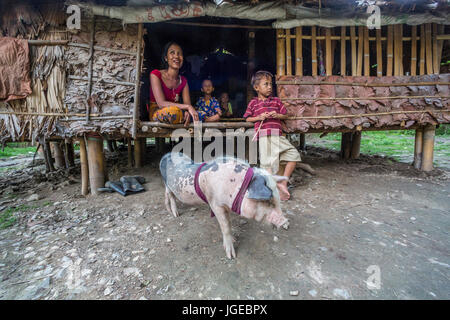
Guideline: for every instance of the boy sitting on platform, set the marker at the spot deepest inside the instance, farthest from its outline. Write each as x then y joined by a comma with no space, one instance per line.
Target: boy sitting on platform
267,112
207,106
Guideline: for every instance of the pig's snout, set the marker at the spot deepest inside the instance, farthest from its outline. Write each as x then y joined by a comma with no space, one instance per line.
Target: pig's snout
277,219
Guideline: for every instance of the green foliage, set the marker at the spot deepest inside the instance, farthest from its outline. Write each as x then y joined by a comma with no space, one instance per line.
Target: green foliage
16,148
7,218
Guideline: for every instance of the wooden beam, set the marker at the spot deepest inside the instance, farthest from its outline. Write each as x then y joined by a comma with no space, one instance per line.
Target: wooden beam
441,30
397,50
353,43
288,53
389,50
343,47
137,89
413,50
298,52
250,64
436,62
313,51
379,54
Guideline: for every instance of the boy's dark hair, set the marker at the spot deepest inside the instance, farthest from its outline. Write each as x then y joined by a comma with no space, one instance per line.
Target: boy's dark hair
260,75
164,64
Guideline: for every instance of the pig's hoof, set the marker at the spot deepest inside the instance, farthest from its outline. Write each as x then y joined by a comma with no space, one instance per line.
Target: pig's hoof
286,226
229,249
175,213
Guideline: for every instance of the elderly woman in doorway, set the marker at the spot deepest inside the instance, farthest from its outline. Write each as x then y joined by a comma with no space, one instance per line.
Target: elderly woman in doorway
167,86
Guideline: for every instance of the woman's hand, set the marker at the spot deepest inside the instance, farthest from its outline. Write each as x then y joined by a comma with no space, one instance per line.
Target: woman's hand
186,119
192,112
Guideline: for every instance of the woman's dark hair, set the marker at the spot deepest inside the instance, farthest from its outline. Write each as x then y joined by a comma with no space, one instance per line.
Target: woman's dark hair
164,64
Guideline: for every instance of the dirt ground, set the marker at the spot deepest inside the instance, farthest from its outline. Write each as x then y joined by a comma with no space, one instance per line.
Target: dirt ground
350,216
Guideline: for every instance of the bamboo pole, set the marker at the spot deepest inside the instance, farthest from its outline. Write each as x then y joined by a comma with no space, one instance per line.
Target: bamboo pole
366,52
288,53
400,48
428,147
353,43
422,50
281,54
121,83
84,168
313,51
328,55
137,89
389,50
343,48
90,69
359,65
379,54
413,50
441,29
99,48
428,49
361,84
436,62
96,163
368,98
418,145
397,50
298,52
250,64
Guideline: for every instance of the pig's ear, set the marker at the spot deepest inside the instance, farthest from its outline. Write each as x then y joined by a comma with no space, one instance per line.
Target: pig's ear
258,190
279,178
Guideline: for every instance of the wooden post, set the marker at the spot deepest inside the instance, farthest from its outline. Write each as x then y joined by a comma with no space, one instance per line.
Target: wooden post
346,145
288,53
96,163
418,146
70,153
281,53
298,52
413,50
398,44
328,55
130,153
356,144
48,154
353,43
343,47
250,64
428,147
138,153
379,54
359,64
84,168
137,88
302,141
59,155
441,30
422,50
313,51
436,62
366,52
428,49
389,50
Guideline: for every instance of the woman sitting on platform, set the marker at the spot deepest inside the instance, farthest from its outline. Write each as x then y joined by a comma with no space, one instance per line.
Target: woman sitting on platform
166,88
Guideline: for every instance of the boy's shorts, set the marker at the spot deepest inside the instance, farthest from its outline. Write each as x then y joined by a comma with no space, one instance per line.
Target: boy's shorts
274,150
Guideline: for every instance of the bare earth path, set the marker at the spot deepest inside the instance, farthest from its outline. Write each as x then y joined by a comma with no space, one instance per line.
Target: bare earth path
350,216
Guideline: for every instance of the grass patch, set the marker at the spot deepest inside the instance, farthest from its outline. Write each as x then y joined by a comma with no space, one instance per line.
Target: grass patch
395,144
16,148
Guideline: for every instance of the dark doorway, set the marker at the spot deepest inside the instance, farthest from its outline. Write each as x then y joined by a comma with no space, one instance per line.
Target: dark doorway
215,53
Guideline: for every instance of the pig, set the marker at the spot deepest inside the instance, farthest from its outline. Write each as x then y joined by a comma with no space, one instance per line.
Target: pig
220,181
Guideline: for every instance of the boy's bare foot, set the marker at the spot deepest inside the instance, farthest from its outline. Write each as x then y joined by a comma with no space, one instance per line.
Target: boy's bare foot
284,193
